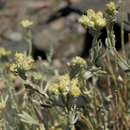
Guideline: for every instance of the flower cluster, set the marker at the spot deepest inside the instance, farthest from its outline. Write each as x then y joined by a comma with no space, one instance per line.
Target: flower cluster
22,63
111,8
78,61
26,23
37,77
75,90
93,20
61,84
64,85
4,53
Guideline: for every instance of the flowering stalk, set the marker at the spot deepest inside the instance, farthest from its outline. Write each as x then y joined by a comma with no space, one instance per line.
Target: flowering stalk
94,22
29,40
22,64
4,54
94,50
122,27
27,24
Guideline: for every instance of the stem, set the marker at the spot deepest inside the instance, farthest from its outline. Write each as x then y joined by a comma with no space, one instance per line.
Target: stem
29,41
29,47
111,70
94,53
94,40
122,27
94,80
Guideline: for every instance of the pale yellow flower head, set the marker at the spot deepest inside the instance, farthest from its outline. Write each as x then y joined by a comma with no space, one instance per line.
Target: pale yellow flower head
22,62
26,23
64,85
93,20
4,53
74,88
13,67
100,14
63,82
91,24
100,22
111,8
36,77
78,61
84,20
90,13
54,89
19,57
60,85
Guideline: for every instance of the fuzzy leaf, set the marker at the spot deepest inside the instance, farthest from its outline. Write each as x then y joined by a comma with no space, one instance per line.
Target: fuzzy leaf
26,118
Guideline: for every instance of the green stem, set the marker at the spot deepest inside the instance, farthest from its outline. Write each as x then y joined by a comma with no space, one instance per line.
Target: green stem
122,27
30,47
94,53
29,41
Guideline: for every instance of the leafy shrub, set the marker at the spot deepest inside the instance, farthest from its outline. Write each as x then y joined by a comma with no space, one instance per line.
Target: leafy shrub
91,95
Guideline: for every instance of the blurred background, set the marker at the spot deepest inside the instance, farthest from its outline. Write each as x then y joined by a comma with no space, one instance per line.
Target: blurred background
64,34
